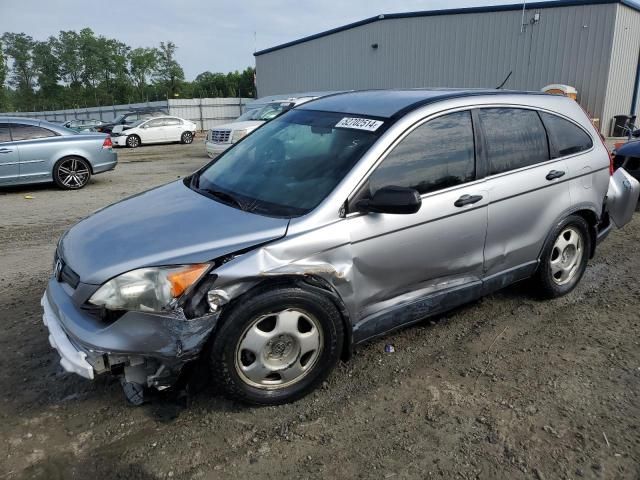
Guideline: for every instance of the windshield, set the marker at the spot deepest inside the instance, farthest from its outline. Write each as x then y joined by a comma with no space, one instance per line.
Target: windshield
288,166
248,115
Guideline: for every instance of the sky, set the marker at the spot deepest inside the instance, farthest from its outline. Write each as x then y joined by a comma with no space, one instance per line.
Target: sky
213,35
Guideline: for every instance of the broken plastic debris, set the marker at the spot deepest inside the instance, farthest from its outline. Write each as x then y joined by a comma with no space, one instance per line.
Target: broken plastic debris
388,348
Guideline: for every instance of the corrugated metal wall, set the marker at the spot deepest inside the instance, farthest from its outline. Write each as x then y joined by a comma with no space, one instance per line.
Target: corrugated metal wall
624,62
569,45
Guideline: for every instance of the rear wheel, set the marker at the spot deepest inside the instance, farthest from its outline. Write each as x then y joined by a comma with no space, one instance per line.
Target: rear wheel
133,141
564,259
277,346
71,173
187,137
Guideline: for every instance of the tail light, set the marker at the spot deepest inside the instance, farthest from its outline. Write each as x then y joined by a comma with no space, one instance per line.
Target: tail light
107,143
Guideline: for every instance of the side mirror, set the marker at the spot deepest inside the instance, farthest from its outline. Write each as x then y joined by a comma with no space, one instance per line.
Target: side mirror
399,200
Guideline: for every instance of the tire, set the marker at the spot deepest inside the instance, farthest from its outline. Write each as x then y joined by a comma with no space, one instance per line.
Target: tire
133,141
560,271
264,352
186,138
71,173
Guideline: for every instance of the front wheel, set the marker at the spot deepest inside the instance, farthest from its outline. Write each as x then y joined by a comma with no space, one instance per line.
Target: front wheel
277,346
71,173
186,138
564,259
133,141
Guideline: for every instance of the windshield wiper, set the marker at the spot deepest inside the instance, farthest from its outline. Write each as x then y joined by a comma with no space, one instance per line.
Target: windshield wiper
224,196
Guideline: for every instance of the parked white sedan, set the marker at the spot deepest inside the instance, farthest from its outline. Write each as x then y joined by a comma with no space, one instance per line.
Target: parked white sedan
154,130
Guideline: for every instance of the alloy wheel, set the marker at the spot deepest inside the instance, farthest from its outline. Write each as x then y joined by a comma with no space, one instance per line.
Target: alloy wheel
73,173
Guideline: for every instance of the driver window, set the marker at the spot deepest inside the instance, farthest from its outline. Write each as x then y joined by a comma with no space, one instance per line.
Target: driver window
436,155
158,122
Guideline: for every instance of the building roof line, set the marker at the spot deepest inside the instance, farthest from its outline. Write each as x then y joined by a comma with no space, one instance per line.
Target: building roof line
451,11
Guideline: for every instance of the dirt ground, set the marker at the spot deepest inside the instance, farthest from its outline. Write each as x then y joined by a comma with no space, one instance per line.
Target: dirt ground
506,387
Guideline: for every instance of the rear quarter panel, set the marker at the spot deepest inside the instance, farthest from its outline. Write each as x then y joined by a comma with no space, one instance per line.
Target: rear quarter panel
587,172
38,157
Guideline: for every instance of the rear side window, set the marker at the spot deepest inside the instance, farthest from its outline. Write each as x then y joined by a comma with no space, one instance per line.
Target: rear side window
5,135
565,137
21,131
436,155
172,121
515,138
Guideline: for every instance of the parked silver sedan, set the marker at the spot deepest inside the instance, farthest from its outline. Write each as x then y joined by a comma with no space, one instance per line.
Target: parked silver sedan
36,151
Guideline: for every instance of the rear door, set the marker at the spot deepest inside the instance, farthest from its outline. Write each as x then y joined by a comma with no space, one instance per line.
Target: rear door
527,192
9,157
35,147
172,129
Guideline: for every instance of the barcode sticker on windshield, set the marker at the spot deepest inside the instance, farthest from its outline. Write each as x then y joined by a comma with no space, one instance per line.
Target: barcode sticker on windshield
359,123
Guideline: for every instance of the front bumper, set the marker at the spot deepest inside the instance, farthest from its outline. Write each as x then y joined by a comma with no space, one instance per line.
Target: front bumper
152,348
71,358
214,149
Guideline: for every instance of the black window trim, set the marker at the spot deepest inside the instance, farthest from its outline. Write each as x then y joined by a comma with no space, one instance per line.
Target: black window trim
479,149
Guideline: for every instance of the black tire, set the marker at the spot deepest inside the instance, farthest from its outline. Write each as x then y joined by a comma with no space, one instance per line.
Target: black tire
133,141
549,283
225,349
71,173
186,138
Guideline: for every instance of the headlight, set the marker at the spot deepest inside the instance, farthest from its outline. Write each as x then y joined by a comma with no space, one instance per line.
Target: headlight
148,289
239,134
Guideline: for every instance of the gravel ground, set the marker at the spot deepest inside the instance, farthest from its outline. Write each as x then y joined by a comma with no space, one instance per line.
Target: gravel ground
506,387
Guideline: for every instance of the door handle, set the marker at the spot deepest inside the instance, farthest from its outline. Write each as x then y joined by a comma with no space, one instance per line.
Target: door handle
467,200
553,174
5,150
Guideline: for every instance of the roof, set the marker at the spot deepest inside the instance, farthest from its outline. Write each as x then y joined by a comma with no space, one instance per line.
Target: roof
451,11
390,103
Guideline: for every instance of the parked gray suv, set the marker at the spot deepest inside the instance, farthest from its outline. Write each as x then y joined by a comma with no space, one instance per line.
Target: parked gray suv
341,220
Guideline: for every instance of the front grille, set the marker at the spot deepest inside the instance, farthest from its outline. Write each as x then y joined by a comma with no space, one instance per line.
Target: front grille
64,273
220,136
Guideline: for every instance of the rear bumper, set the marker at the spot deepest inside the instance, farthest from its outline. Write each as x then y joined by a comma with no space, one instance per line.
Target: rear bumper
107,160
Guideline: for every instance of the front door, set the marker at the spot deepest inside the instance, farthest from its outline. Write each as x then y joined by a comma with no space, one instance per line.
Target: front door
409,266
153,131
35,148
9,157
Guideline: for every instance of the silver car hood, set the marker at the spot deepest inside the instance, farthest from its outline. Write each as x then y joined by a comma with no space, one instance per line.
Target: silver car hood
168,225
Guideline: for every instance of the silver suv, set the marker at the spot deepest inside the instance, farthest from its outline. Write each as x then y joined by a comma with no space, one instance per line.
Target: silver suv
341,220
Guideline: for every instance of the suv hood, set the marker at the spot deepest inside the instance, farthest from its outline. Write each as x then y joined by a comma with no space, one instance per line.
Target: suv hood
249,124
168,225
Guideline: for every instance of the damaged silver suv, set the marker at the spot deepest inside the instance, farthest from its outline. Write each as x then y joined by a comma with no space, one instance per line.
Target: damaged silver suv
341,220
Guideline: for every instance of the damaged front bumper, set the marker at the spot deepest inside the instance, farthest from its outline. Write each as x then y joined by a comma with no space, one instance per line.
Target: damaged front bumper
149,349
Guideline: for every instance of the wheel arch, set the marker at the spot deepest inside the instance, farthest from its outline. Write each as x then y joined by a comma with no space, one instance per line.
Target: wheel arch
72,155
309,282
588,213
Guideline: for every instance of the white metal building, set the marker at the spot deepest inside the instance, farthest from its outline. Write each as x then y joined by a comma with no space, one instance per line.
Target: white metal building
593,45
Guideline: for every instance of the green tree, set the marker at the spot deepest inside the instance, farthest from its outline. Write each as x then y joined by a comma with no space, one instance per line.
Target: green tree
169,73
47,67
143,62
4,104
18,47
67,49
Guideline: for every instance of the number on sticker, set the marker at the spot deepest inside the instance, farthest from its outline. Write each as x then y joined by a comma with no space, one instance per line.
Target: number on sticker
359,123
